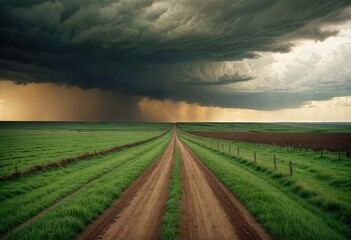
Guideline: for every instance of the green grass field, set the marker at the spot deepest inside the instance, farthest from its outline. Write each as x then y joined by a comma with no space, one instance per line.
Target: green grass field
27,144
267,127
312,204
85,189
58,203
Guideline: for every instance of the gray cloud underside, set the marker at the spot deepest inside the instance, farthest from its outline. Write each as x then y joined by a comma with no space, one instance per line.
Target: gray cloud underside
223,80
147,48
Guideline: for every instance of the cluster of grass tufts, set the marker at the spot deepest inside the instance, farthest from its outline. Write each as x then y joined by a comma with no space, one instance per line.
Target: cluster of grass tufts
273,198
170,224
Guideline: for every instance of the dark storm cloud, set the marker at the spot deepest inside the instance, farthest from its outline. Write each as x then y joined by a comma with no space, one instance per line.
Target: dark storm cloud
223,80
145,48
260,100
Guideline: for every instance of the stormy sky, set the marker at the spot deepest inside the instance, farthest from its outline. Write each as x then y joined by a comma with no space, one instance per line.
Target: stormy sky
221,53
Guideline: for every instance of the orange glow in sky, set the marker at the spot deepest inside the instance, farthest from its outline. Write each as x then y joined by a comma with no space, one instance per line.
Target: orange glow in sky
48,102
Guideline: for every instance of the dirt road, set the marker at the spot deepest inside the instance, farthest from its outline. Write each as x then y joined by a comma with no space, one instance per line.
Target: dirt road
208,209
138,213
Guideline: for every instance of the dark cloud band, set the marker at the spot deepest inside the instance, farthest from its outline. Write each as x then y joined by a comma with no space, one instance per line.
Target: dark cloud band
145,48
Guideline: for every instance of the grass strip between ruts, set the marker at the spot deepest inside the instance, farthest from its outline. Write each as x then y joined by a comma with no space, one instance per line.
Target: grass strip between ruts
170,223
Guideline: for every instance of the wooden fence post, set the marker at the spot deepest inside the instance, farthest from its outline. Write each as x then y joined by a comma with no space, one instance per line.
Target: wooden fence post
305,150
275,163
16,168
229,150
238,152
254,157
222,147
322,153
291,168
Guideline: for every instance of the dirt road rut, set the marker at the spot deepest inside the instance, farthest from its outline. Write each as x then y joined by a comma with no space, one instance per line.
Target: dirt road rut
138,213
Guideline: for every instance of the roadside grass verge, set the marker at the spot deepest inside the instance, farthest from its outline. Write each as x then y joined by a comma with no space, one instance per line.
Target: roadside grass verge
26,196
283,214
170,223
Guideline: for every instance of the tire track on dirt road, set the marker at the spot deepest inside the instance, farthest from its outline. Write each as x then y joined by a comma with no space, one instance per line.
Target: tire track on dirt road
208,209
138,213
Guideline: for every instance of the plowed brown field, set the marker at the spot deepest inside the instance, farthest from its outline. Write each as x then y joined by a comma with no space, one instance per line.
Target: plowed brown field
316,141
